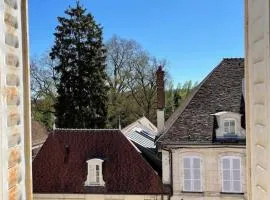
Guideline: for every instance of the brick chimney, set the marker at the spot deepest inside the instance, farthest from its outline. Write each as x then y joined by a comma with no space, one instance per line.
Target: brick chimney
160,99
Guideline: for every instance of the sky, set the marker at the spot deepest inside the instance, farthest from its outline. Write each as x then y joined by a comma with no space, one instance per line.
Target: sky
193,35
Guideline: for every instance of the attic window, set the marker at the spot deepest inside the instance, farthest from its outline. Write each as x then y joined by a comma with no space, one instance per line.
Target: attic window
229,126
94,175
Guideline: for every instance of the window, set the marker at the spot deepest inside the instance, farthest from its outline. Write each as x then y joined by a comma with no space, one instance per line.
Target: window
94,176
192,174
229,126
231,174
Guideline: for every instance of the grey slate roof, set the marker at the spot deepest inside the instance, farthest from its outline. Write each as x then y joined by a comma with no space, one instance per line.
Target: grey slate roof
221,90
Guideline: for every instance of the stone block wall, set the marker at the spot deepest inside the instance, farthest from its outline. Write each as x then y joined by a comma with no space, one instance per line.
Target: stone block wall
14,98
211,173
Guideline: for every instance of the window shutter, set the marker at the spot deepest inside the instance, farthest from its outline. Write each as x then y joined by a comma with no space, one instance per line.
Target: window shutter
91,173
231,174
236,175
187,174
192,174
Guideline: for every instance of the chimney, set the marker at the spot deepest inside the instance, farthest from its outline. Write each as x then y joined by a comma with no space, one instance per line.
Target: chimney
160,99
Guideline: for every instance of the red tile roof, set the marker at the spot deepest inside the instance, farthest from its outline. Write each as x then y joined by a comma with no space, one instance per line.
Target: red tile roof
56,170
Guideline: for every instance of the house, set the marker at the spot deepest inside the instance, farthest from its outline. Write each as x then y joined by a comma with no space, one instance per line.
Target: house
93,164
142,133
39,136
203,142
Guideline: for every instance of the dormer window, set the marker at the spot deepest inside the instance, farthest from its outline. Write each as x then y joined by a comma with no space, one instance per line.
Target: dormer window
229,126
94,175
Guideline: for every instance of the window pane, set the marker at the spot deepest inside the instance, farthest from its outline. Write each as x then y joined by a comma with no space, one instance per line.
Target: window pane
187,163
196,163
197,174
197,185
226,163
236,175
187,185
187,174
226,186
226,175
236,186
232,123
236,163
226,124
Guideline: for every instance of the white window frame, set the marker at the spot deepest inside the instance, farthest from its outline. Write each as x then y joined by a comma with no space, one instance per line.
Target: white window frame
229,120
192,174
92,180
231,174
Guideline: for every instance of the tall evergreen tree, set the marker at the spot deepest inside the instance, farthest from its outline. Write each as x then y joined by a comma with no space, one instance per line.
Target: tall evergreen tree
81,84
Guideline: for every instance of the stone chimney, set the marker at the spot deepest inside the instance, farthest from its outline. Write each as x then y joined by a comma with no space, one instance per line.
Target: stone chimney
160,99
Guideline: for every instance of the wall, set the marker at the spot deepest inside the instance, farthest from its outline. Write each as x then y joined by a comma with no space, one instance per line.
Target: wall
96,197
15,143
258,97
211,173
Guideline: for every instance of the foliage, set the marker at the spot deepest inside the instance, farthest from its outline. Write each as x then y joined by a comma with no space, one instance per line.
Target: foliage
132,78
176,96
43,90
81,76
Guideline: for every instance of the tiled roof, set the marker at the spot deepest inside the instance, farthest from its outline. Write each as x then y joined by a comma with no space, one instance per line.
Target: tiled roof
56,170
221,90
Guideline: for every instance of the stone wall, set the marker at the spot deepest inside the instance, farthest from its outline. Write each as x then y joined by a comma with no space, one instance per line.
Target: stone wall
15,174
211,173
258,97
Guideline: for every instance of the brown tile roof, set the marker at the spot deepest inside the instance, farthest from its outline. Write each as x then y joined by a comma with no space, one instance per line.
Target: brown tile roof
221,90
124,169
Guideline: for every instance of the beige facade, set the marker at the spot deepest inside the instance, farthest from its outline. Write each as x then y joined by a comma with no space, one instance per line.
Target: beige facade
258,97
97,197
15,146
211,174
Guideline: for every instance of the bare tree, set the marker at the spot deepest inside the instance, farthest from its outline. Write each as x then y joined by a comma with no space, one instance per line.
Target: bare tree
132,78
43,89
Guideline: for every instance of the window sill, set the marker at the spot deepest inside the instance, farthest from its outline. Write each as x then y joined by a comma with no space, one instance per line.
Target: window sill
232,193
192,192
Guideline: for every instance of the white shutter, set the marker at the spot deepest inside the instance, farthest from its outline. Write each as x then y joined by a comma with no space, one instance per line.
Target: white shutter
187,174
236,174
192,174
92,173
231,174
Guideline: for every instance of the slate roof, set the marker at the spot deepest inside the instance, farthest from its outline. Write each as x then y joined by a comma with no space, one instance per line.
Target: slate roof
60,166
221,90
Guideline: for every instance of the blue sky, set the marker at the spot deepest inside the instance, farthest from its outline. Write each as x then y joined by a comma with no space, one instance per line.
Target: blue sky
193,35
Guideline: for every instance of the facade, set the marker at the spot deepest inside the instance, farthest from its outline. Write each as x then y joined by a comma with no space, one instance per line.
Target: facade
203,143
15,146
258,98
93,164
